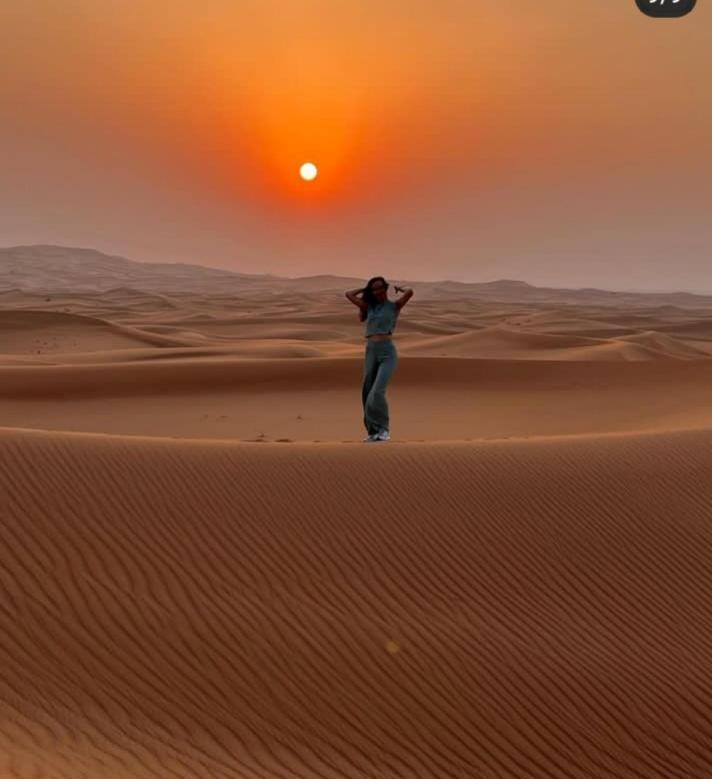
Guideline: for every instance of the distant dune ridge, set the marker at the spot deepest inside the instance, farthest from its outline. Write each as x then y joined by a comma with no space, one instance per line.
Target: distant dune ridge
48,268
206,573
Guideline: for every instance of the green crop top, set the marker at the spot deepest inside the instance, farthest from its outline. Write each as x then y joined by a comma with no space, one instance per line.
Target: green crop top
381,318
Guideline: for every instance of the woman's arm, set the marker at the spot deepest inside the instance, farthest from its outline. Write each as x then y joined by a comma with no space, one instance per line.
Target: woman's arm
352,295
405,297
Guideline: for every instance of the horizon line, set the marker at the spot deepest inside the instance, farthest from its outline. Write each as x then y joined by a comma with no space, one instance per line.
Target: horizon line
337,276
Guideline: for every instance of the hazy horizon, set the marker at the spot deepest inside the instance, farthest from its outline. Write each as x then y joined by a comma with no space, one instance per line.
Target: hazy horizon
456,141
434,280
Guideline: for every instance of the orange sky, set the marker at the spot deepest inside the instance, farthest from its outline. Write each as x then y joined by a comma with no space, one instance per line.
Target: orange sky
561,143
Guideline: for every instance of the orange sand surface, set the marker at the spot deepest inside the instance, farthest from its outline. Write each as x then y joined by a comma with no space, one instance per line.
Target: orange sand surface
205,573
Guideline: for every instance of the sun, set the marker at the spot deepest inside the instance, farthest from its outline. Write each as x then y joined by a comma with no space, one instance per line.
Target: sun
308,171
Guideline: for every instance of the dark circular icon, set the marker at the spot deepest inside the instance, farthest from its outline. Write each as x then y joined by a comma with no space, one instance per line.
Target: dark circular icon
666,8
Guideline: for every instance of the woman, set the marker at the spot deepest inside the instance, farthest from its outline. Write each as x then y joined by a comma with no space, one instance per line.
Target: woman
380,315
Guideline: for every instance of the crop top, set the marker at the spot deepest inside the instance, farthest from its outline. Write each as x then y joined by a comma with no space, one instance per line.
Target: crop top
381,318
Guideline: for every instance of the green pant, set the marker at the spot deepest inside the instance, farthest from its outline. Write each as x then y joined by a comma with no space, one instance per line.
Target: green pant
381,361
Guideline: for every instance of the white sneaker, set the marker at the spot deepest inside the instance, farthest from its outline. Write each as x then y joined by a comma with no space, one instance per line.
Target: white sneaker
383,435
370,437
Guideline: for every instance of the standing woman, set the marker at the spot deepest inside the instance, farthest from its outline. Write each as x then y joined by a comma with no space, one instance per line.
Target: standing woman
380,315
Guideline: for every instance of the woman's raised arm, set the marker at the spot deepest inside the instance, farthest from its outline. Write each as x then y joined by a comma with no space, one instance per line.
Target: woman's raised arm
405,297
353,294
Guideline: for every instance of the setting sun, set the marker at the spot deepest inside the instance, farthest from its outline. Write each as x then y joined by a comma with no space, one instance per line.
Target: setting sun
308,171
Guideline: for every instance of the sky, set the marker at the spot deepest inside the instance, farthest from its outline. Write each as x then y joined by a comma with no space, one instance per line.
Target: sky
556,142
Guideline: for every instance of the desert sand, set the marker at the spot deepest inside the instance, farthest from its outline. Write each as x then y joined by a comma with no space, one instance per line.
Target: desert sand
206,573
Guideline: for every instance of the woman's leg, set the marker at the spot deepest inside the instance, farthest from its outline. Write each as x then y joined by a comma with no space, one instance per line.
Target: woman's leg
370,370
376,404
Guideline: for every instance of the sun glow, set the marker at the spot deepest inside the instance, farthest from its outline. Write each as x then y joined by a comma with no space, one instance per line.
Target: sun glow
308,171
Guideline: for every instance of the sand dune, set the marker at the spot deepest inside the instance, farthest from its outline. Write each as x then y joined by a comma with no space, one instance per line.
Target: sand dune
124,318
507,343
205,573
26,331
52,269
309,399
170,609
665,344
47,268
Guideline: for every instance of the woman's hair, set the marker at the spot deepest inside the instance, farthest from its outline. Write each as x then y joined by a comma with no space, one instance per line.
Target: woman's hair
368,297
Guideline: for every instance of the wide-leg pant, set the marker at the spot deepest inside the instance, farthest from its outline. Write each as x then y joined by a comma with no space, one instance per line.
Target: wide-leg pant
381,360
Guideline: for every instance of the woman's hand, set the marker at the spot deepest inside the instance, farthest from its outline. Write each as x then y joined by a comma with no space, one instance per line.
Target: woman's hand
405,297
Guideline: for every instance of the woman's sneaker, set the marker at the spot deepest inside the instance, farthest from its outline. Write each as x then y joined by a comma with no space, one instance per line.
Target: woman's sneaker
370,437
383,435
